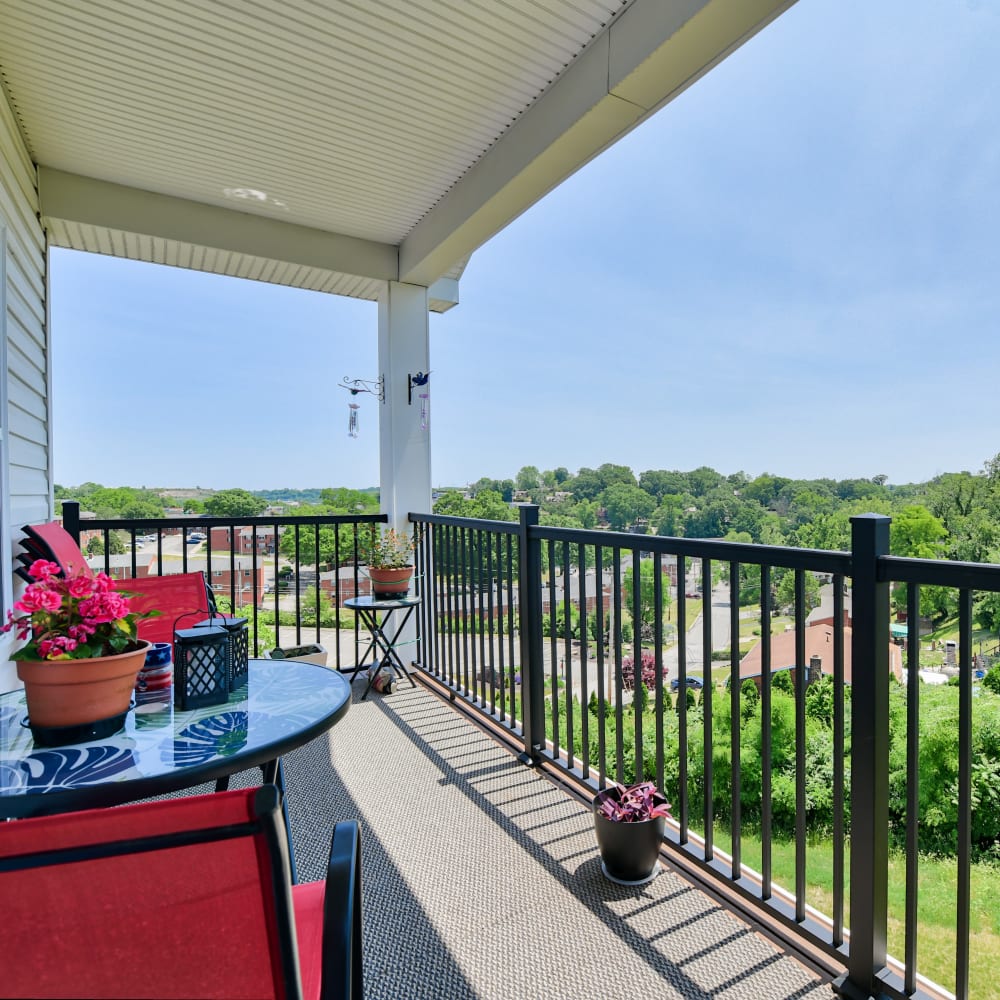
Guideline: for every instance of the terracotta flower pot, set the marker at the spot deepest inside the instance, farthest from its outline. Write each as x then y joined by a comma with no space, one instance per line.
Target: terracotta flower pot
75,692
390,581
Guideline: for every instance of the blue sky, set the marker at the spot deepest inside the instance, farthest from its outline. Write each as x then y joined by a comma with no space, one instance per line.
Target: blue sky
792,268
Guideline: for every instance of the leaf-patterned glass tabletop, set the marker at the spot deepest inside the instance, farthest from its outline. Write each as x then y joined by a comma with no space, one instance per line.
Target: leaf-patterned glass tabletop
284,704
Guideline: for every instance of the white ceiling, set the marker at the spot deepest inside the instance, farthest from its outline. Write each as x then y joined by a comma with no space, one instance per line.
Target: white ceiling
333,144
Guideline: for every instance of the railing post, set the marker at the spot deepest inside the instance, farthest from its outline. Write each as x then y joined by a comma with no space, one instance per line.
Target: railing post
869,758
529,587
71,518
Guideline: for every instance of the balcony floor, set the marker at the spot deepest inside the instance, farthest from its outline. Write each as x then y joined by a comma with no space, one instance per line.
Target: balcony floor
482,878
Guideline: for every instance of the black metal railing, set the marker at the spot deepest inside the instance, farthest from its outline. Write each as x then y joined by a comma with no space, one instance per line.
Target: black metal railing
529,625
277,571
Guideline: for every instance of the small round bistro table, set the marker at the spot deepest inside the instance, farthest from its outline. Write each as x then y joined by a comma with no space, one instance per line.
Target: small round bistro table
284,704
375,613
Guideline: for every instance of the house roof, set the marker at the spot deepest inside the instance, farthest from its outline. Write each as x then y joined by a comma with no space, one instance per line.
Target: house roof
122,560
818,642
329,145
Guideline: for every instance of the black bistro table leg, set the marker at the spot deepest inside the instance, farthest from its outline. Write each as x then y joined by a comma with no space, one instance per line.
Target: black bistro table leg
375,613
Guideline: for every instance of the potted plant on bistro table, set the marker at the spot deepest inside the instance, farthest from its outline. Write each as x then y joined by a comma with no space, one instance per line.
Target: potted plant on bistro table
629,821
390,563
82,655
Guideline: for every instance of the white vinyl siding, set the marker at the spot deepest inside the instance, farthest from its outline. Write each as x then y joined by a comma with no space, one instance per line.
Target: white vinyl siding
25,459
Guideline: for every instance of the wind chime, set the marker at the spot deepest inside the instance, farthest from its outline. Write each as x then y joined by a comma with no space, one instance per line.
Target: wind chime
358,385
419,380
376,387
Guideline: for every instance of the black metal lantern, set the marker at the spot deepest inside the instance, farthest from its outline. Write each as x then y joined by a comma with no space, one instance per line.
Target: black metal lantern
201,667
239,646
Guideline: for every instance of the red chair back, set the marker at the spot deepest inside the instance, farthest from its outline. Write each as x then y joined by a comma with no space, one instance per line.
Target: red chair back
185,897
52,541
174,596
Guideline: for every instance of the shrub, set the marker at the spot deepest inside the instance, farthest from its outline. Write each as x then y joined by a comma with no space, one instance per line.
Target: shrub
782,681
648,671
992,679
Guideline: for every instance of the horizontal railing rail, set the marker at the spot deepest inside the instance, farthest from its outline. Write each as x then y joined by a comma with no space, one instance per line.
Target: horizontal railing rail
261,567
551,633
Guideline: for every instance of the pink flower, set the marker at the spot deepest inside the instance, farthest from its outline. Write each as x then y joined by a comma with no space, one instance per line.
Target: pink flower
102,608
39,597
42,569
80,586
78,616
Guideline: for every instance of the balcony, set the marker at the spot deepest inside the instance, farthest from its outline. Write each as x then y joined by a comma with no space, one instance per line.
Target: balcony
482,878
527,654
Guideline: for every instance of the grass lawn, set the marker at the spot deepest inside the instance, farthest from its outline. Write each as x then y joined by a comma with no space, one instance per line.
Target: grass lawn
937,895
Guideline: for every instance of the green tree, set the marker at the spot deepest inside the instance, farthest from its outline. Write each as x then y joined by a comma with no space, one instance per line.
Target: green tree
987,611
610,473
585,512
703,480
749,573
587,485
765,489
529,478
786,591
345,501
624,504
234,503
646,615
487,505
659,482
123,502
992,679
917,533
472,553
116,544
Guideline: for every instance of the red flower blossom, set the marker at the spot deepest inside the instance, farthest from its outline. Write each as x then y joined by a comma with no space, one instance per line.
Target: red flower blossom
77,617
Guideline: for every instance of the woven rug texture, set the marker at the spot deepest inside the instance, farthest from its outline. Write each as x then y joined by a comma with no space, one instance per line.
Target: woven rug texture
482,878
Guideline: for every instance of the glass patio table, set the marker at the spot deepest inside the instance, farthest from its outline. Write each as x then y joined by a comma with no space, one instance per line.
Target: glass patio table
284,704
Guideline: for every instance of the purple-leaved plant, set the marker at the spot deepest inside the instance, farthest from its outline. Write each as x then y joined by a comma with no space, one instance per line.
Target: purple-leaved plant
633,803
648,671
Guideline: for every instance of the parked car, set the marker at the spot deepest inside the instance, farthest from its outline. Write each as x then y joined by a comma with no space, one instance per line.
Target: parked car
692,681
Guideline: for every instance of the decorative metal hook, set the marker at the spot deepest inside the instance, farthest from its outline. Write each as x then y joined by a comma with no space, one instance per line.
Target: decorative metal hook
355,385
419,378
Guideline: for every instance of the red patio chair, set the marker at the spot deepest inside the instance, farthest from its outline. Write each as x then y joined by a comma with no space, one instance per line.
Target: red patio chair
173,595
184,897
53,542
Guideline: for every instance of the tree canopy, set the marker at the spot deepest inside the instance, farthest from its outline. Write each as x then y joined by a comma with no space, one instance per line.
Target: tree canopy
234,503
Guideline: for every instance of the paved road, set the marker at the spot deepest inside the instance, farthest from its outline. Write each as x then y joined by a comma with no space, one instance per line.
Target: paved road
719,608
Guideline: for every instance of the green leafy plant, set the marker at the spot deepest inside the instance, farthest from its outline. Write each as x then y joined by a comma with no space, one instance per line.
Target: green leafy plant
392,549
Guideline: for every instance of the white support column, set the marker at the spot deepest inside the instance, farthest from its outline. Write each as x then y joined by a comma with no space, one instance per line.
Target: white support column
404,448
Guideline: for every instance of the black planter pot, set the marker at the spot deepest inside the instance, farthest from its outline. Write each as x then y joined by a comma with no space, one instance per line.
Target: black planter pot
629,851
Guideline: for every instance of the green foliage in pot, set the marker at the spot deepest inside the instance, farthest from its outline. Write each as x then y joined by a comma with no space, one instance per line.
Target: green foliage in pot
391,550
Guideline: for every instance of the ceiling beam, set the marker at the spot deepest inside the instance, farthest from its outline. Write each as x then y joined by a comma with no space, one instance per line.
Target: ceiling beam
86,201
641,61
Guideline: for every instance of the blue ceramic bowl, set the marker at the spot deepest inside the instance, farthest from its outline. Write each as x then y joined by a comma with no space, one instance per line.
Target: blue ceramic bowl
158,655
